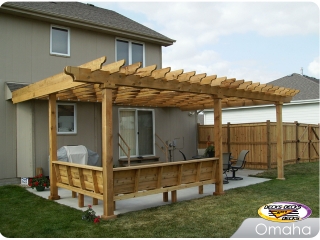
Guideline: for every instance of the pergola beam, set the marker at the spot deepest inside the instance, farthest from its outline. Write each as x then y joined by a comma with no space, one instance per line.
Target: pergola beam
120,79
227,104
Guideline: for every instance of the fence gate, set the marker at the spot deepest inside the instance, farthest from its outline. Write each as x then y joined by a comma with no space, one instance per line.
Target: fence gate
302,143
314,143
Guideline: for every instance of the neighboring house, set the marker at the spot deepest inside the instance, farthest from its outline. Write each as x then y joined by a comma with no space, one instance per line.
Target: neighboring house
303,108
38,39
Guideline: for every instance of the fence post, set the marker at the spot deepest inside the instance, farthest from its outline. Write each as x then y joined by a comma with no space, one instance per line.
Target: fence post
198,137
309,141
268,145
228,137
297,141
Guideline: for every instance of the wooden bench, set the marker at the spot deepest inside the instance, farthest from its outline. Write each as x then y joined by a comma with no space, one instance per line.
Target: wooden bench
136,181
123,162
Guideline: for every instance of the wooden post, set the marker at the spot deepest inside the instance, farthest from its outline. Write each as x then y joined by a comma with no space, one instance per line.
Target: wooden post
174,196
297,141
53,147
80,200
200,189
309,141
107,158
279,142
268,145
165,196
95,201
218,146
198,137
228,137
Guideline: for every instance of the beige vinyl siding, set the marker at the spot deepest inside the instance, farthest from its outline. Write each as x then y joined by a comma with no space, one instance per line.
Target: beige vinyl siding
170,123
25,57
153,55
88,134
173,123
8,156
29,50
25,146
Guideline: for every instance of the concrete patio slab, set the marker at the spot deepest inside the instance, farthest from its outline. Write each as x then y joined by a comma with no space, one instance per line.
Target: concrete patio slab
135,204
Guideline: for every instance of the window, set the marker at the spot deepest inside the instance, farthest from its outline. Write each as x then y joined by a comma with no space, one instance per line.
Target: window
131,52
137,130
67,118
60,41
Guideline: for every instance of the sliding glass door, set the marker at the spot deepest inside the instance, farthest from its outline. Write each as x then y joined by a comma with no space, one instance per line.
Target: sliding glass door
137,129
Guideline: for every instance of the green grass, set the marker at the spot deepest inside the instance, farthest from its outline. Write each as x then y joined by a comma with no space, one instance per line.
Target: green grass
25,215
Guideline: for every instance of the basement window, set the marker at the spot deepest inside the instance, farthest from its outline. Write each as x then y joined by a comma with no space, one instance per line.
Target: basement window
66,118
60,41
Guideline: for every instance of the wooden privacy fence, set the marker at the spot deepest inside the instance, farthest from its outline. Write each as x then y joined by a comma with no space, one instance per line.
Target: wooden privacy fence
137,181
300,142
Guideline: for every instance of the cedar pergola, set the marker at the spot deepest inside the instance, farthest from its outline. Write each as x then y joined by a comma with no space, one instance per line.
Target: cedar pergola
116,84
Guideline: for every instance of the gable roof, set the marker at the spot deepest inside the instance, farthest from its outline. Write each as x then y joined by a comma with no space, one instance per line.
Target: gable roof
308,86
15,86
87,15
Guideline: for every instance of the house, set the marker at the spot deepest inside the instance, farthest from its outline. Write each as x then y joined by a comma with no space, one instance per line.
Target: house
38,39
123,107
303,108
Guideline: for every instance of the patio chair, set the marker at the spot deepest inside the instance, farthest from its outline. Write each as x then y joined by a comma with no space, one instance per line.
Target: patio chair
241,161
226,165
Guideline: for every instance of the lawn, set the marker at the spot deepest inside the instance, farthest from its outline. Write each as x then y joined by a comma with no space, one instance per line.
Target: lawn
25,215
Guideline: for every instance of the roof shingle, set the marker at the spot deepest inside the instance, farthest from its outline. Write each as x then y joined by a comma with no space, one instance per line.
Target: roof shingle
308,86
81,12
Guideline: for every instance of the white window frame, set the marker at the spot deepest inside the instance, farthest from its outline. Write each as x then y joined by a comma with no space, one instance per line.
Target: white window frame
57,53
130,50
136,127
74,118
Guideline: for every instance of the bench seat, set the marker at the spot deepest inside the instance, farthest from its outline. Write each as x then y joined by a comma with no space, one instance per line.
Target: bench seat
123,162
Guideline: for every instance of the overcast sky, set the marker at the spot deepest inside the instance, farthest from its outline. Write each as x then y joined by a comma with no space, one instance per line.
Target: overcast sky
254,41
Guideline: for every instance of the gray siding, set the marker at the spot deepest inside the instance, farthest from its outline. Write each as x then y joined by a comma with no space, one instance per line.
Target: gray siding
25,57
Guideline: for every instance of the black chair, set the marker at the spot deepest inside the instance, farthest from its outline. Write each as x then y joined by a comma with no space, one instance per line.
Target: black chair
226,165
184,156
241,161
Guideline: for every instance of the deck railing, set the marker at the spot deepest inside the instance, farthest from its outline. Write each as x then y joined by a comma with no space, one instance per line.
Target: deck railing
161,148
136,181
128,148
